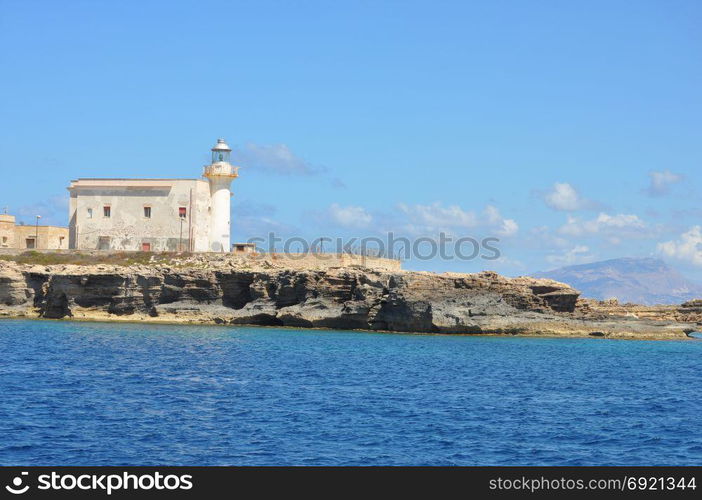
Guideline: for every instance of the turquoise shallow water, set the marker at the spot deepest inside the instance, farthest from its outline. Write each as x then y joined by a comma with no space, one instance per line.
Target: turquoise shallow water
115,394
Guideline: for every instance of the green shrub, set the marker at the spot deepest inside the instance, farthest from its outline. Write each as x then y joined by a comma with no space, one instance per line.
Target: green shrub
81,259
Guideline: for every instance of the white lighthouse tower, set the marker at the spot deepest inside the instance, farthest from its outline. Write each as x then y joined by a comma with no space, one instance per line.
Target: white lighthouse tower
220,174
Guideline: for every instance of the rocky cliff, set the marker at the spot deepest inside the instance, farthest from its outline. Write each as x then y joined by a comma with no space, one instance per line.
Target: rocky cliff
342,298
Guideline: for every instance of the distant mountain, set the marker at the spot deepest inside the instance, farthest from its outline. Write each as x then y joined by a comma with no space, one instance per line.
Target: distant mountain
643,281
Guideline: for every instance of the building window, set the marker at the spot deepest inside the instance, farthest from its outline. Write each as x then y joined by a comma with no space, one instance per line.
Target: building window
30,243
182,212
147,212
106,212
146,247
90,213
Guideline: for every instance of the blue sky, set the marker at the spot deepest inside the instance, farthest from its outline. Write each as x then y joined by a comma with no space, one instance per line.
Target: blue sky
570,130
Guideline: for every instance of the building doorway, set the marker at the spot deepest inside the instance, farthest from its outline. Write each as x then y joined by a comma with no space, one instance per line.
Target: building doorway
31,243
146,247
104,243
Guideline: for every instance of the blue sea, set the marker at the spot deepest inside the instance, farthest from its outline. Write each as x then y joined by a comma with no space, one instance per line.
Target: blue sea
139,394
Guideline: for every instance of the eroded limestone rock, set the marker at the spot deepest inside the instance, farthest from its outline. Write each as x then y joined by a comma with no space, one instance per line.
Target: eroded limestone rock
343,298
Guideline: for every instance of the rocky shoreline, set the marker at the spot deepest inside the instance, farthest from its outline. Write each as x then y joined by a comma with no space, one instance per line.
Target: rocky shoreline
350,298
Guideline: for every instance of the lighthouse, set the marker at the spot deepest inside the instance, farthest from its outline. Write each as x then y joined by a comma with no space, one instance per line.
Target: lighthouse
220,174
155,215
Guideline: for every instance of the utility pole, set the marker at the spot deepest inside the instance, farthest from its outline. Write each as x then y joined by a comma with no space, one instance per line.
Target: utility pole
36,233
181,234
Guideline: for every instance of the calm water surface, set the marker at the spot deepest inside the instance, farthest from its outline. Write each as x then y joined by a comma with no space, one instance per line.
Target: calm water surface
94,393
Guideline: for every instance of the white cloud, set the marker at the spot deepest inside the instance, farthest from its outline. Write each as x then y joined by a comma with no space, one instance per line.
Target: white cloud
350,216
577,255
435,215
509,228
660,182
603,224
566,198
274,158
542,237
503,227
434,218
687,248
419,220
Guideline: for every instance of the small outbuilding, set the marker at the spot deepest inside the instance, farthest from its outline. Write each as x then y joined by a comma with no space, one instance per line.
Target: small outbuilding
35,236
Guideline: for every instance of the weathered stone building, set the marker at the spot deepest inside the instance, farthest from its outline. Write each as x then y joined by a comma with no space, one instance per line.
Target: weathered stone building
155,214
18,236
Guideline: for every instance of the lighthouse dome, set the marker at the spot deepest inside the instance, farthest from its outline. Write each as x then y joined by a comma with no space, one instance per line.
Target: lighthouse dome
221,152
